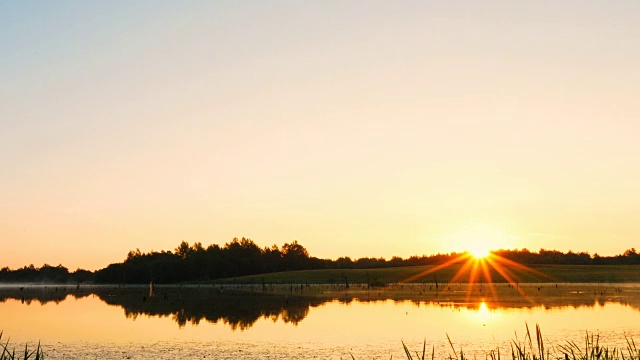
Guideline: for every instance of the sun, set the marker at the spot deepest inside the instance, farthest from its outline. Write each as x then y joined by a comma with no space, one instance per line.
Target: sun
478,240
479,251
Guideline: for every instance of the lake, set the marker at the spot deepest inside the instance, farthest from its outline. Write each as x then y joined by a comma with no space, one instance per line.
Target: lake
309,321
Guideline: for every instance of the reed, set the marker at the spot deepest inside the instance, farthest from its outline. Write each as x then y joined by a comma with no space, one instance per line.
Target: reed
526,349
10,354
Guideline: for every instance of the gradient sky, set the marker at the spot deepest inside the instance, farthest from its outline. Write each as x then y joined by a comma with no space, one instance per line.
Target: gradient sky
358,128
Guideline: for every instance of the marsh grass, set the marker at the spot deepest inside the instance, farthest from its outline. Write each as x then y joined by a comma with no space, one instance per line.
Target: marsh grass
525,349
10,354
589,349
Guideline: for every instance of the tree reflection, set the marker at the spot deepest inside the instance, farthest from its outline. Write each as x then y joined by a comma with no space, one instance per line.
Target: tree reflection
40,294
191,305
241,308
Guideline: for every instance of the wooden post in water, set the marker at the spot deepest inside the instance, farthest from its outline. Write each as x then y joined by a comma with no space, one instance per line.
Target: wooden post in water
368,283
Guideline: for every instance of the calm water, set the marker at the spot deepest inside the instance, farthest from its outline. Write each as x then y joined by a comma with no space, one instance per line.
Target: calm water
123,323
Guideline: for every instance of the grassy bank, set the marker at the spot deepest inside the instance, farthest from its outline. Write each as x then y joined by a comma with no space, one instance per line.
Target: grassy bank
540,274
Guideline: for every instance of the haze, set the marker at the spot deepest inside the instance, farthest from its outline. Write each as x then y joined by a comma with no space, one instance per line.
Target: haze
357,128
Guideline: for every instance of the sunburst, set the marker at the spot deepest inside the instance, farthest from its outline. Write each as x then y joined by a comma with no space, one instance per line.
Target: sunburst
478,264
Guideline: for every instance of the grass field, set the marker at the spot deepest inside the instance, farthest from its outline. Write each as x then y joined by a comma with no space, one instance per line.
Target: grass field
426,274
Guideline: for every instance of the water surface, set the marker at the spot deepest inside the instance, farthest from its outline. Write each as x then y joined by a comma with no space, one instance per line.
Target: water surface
307,322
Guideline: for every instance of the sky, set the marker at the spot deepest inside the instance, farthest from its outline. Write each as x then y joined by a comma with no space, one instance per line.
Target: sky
358,128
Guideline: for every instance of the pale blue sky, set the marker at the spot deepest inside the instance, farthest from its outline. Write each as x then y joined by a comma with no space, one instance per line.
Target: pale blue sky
374,128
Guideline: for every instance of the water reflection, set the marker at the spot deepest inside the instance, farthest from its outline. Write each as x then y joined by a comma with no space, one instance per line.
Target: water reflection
483,313
240,307
40,294
192,305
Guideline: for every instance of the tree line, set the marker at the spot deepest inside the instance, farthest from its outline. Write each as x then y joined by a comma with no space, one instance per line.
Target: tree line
45,274
244,257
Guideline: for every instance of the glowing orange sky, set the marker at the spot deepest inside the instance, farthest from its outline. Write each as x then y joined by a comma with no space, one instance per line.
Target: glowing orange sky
378,130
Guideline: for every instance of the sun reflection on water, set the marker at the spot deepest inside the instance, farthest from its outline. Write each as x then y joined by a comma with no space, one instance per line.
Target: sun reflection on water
483,314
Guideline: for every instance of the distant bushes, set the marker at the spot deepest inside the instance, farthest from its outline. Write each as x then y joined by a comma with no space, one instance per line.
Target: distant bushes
551,257
46,274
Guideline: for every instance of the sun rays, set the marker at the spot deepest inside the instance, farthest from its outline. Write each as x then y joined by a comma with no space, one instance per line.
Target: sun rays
480,267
